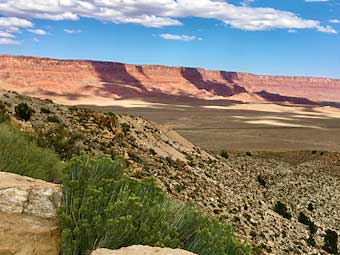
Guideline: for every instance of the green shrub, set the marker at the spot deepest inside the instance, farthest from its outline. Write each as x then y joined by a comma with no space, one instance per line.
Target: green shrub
262,180
104,208
125,128
106,121
311,241
53,119
310,207
282,209
23,111
224,154
61,140
331,242
45,110
306,221
21,156
3,113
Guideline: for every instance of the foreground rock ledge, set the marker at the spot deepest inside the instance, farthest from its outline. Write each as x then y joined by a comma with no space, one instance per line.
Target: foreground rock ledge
142,250
28,216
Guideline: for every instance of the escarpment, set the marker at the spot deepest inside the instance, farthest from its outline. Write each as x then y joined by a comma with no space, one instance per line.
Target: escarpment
74,79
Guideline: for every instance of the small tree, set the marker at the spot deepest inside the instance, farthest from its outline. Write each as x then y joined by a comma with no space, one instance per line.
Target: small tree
282,209
331,242
23,111
224,154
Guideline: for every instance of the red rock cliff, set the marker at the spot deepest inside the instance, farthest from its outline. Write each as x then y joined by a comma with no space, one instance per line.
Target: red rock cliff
49,77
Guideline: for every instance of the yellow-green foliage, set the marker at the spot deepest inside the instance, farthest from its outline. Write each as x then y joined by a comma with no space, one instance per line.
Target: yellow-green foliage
18,154
3,112
104,208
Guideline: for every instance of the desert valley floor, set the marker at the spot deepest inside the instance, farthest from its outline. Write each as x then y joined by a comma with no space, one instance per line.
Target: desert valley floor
245,127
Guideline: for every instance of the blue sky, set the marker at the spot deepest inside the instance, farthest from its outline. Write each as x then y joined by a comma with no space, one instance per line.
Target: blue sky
291,37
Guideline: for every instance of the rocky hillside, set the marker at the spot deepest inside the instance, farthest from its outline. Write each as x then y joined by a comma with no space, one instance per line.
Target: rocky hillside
55,79
279,206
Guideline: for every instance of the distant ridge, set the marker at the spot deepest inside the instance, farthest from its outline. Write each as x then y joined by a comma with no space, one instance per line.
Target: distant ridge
46,77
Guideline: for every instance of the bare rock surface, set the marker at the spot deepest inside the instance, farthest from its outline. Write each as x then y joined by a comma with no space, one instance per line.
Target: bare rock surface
75,79
28,212
141,250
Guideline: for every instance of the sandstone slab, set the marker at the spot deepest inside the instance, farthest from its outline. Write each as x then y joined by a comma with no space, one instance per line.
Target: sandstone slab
28,212
142,250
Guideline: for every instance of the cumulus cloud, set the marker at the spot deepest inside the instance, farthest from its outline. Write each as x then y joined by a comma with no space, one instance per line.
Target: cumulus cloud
161,13
6,34
11,25
327,29
8,22
37,31
335,21
72,31
8,41
180,37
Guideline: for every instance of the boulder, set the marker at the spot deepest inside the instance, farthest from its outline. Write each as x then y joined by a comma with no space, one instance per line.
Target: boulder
142,250
28,216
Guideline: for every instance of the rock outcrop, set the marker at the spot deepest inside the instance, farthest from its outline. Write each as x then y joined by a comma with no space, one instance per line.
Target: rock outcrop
28,209
141,250
76,79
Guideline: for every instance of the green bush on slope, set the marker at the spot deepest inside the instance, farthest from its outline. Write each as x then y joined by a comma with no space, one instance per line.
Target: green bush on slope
18,154
104,208
3,112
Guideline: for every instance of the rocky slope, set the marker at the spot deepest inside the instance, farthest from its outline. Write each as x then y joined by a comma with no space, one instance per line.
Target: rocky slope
88,79
241,189
28,217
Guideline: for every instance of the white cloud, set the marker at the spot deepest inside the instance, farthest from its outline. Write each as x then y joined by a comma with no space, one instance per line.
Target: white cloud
6,34
8,41
36,40
292,31
71,31
327,29
335,21
8,22
310,1
37,31
161,13
11,25
180,37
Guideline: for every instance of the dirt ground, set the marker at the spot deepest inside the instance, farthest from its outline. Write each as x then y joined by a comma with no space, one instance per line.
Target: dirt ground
245,127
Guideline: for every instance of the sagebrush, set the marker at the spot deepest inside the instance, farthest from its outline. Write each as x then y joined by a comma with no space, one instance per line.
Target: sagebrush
105,208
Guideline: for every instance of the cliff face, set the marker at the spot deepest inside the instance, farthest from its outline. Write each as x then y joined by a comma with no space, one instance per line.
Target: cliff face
52,78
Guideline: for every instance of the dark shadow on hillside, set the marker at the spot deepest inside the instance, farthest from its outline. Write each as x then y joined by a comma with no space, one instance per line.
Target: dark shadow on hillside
219,89
141,70
277,98
117,80
272,97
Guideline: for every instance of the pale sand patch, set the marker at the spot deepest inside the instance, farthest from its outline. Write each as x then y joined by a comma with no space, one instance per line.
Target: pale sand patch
265,117
101,101
322,111
279,124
